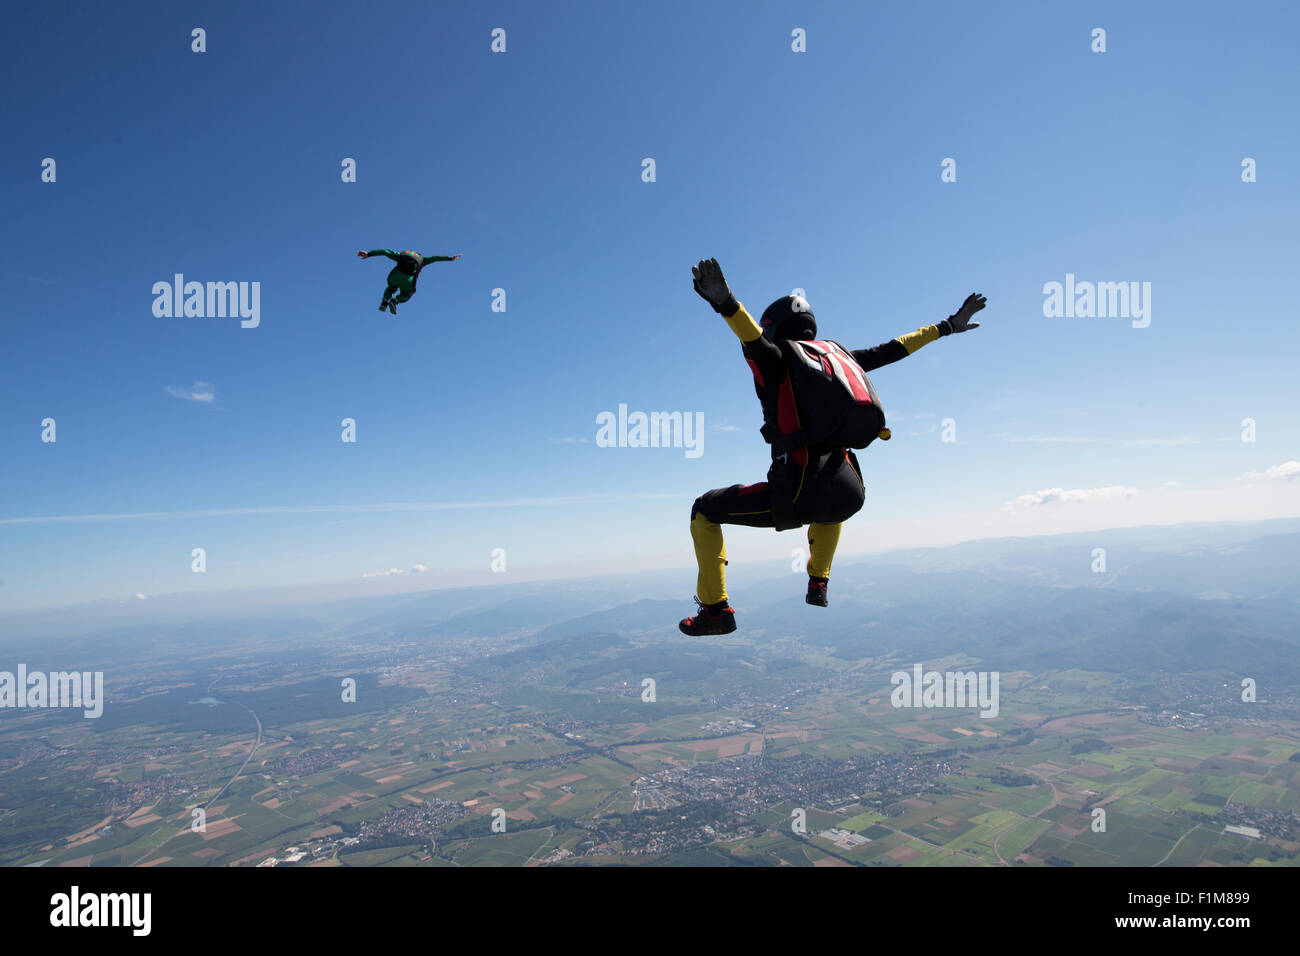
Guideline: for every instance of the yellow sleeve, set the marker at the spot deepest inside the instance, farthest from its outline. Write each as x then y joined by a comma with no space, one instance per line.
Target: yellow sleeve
914,340
743,324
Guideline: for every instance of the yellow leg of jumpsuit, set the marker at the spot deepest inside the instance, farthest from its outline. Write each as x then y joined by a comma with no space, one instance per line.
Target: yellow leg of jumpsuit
711,556
822,541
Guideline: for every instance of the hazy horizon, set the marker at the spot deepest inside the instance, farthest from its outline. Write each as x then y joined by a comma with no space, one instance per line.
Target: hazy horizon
656,581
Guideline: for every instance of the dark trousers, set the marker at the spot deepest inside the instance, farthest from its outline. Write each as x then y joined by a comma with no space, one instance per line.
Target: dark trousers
827,490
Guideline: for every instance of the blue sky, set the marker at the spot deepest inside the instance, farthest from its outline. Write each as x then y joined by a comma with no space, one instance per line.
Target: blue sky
818,170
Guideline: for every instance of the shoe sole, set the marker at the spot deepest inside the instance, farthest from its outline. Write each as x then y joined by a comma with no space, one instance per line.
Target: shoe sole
682,627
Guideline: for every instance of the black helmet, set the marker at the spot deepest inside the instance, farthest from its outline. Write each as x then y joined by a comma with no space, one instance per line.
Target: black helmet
789,317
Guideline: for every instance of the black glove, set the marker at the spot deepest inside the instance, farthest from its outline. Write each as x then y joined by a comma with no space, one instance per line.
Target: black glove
712,287
960,321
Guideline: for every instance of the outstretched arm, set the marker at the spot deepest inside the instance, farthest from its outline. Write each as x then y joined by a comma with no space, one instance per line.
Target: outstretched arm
904,345
379,252
428,259
761,353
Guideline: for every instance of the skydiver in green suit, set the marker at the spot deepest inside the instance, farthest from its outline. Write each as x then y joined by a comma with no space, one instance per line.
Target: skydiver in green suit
403,275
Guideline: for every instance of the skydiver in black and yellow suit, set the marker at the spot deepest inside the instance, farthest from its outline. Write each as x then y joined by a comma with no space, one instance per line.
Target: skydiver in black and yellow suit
814,485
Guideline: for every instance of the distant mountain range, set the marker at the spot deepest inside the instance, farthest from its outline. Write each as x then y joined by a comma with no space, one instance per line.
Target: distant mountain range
1203,598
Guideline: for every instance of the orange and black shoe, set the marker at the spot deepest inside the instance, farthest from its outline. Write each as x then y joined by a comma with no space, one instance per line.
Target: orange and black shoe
717,618
817,592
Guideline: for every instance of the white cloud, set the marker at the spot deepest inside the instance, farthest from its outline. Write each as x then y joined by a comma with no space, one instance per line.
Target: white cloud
198,392
393,572
140,597
30,278
1288,469
1233,500
1044,438
1050,496
1082,440
558,501
383,574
